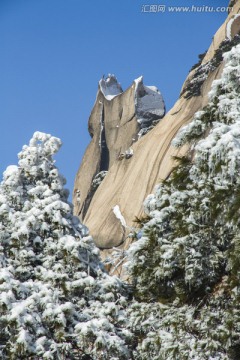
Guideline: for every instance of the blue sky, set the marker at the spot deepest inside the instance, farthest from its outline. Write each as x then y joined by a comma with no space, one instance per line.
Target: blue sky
53,53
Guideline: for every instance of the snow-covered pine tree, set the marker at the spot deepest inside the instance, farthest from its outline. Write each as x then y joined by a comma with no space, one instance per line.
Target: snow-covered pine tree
185,266
56,301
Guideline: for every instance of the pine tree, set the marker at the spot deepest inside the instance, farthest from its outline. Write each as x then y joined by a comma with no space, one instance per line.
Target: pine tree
185,266
56,301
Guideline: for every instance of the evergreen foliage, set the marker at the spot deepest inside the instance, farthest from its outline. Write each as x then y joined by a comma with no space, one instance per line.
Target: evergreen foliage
56,300
193,87
185,266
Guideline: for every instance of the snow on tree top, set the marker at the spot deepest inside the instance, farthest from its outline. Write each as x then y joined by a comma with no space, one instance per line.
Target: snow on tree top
40,147
10,175
37,156
52,281
46,141
11,170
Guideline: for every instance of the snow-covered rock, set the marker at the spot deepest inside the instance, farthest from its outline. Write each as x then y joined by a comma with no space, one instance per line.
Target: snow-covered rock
110,87
149,103
233,26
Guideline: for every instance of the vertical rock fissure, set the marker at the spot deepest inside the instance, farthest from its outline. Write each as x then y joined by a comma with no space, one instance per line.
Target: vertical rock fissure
104,162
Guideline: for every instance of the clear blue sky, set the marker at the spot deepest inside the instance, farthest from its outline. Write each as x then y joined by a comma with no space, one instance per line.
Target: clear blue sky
53,52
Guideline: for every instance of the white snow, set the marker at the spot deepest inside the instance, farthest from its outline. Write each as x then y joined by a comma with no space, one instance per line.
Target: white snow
129,153
229,26
110,87
138,81
119,216
11,170
101,126
148,101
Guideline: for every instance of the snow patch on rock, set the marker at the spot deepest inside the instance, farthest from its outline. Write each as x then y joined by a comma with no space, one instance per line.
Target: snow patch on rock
119,216
229,26
110,87
149,103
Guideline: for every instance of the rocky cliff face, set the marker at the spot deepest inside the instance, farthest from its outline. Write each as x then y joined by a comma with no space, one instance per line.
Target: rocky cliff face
118,120
121,167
